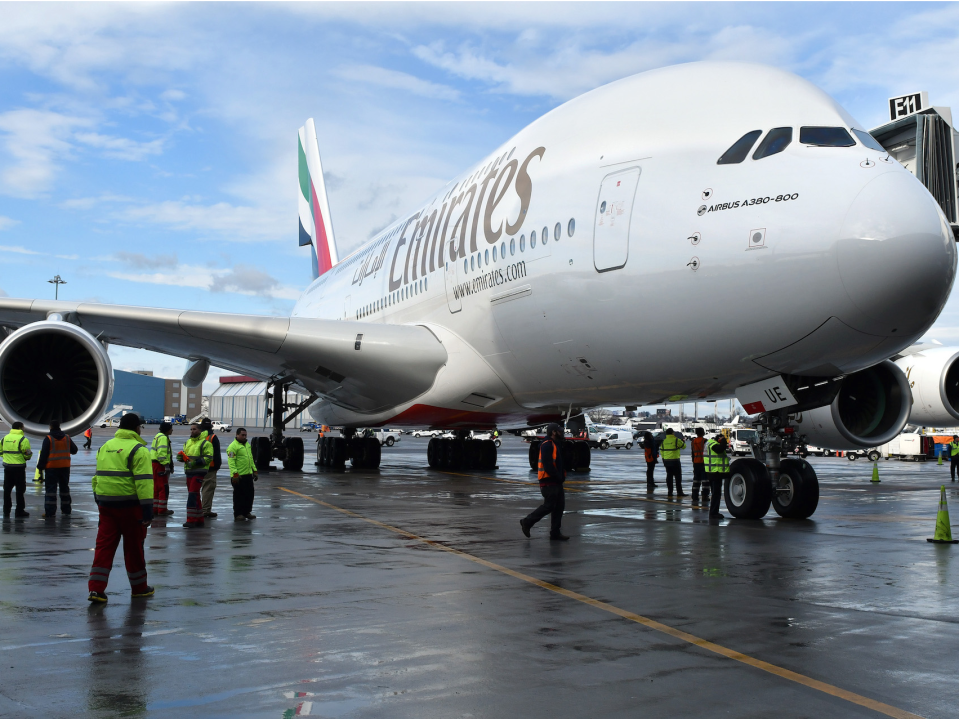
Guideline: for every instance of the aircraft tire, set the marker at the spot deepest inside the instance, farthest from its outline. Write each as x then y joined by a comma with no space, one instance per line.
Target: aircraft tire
373,453
488,455
748,491
322,452
472,454
803,496
581,456
262,453
294,454
534,455
431,452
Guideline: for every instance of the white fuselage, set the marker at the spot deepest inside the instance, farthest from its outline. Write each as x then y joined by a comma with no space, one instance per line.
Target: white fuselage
665,275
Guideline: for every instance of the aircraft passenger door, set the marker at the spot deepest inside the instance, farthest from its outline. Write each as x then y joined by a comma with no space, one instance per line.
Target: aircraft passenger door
614,208
452,292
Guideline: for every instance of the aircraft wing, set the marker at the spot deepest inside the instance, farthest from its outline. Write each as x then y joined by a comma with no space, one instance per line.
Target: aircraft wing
362,366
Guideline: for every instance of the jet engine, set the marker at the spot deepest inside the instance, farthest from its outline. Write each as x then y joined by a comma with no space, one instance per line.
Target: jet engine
54,370
933,377
871,407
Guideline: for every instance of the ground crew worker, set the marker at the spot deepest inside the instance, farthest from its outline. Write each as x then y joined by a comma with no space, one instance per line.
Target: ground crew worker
161,457
716,464
89,435
551,477
954,456
196,455
671,446
123,490
243,474
651,448
15,449
54,462
209,479
699,473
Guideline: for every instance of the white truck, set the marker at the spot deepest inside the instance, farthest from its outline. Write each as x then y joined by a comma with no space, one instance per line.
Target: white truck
389,437
907,446
741,441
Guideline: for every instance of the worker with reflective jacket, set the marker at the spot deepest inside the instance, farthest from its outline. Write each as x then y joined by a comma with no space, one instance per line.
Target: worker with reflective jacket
123,490
552,474
54,462
670,448
15,449
196,456
161,456
242,476
716,463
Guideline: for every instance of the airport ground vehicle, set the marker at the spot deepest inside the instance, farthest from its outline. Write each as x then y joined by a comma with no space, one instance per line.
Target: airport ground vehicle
430,323
622,439
484,436
310,426
872,454
740,440
387,437
426,432
219,426
906,446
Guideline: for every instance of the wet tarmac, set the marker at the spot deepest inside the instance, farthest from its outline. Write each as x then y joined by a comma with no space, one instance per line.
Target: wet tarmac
409,592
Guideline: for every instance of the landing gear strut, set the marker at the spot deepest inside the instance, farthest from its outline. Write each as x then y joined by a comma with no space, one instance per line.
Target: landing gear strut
790,485
288,450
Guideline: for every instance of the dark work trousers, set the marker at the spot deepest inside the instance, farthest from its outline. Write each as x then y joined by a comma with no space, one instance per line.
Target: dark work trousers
650,468
674,470
699,479
716,484
88,442
117,523
242,495
953,465
57,478
554,504
14,477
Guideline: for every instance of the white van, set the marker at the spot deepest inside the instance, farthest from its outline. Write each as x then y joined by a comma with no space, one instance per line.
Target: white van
621,439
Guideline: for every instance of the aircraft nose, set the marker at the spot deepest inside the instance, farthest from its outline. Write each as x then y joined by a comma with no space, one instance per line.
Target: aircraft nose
897,257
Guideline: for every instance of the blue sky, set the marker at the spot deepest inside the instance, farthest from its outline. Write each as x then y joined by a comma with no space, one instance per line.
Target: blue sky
148,152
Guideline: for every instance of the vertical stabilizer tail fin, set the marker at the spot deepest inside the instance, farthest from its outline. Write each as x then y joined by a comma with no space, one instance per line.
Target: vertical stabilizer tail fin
316,229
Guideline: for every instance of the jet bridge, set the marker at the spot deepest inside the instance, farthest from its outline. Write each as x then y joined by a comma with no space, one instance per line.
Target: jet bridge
922,139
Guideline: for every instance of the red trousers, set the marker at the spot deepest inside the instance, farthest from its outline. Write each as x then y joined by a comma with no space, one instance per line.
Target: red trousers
161,488
194,508
117,522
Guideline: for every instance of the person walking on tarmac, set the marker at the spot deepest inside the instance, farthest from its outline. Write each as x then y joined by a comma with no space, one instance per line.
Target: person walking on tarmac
15,449
209,479
651,447
954,456
161,457
89,437
54,462
672,444
699,473
243,474
196,455
123,490
716,464
551,478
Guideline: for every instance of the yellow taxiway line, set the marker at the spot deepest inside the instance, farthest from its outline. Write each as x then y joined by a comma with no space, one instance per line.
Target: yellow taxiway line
778,671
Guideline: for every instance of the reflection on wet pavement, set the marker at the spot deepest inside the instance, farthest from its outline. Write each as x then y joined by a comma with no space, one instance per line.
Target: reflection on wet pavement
306,611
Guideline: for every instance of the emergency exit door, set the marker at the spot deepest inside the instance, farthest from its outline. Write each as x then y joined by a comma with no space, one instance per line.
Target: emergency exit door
452,292
614,208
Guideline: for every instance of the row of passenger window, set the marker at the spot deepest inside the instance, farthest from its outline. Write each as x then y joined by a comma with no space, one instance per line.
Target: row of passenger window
477,261
777,139
405,293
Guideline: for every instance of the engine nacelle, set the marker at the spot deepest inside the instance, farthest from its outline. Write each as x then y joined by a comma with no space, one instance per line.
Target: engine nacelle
871,408
53,370
933,377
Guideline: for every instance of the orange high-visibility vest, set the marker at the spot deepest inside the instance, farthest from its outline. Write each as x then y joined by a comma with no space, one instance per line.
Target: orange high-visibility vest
59,456
542,473
699,444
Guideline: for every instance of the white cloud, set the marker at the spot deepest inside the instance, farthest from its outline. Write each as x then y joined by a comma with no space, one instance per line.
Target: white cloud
236,222
19,250
6,223
121,148
393,79
242,279
33,146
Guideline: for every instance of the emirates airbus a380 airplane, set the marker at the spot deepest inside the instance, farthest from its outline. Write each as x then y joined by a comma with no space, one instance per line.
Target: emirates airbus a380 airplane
764,245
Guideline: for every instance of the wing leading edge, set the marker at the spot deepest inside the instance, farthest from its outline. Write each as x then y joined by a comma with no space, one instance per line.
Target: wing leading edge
361,366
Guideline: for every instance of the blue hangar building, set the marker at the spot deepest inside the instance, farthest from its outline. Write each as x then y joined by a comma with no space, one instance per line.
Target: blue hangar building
143,392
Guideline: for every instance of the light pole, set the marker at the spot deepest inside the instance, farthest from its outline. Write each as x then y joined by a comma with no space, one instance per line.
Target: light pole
56,282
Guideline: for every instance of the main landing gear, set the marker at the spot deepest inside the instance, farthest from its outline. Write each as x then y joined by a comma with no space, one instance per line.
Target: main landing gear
461,453
363,452
288,450
790,485
576,454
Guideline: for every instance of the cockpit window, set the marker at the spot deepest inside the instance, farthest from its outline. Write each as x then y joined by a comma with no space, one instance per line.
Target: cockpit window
825,137
776,140
868,140
737,153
